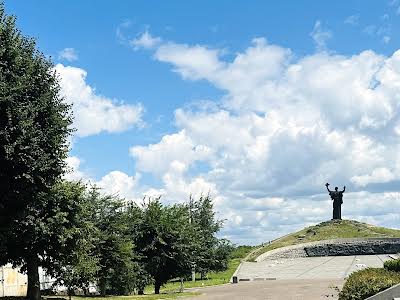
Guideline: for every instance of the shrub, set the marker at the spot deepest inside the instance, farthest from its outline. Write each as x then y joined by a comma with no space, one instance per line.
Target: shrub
368,282
392,265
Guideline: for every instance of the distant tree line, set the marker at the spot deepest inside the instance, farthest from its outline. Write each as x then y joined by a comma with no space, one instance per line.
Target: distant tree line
76,233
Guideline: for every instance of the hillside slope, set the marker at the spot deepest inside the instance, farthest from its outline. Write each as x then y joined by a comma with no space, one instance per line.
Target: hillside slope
325,231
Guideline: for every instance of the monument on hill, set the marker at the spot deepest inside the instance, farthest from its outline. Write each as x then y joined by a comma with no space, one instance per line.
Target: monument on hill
337,197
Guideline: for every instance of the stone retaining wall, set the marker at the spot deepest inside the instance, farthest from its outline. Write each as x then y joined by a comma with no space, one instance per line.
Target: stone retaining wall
338,247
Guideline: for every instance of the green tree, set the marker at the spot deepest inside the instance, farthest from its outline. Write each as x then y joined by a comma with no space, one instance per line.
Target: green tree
74,237
118,268
210,253
163,241
34,131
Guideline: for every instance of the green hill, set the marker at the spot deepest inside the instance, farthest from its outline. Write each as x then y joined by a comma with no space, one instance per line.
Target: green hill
336,229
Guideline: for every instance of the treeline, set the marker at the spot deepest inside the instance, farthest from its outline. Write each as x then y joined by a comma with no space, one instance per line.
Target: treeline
82,237
78,235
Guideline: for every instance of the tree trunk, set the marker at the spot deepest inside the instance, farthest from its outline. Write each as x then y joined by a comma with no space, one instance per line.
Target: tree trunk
157,285
32,267
102,286
140,292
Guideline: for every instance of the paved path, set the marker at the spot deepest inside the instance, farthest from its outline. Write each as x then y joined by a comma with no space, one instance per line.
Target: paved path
328,267
306,278
300,289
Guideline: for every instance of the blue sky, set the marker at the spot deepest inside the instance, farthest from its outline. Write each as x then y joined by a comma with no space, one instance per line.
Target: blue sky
302,92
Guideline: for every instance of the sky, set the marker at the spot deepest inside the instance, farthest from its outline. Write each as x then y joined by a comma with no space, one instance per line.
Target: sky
257,103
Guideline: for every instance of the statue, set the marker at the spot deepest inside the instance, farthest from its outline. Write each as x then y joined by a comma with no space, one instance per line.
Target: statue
337,197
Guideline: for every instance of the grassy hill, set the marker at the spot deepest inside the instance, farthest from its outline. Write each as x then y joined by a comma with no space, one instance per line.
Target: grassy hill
325,231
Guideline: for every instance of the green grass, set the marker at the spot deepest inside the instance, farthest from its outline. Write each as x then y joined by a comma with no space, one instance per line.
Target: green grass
149,297
325,231
214,278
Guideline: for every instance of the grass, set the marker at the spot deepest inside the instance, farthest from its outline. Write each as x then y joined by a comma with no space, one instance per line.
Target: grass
149,297
325,231
213,278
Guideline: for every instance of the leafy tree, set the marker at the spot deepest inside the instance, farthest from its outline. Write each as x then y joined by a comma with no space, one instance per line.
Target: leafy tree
34,128
211,254
76,264
163,241
60,222
118,268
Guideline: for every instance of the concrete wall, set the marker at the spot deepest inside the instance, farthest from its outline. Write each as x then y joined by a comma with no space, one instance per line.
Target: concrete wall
389,294
355,247
12,283
338,247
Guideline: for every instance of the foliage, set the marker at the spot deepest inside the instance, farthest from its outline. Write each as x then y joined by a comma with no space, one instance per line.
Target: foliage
34,131
327,230
241,251
68,228
162,241
210,253
392,265
368,282
115,250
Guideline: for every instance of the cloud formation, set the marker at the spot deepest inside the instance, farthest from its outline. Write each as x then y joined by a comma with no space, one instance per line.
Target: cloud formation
94,113
284,128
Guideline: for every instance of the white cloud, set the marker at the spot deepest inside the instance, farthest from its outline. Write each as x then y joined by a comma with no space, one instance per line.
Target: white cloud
68,54
145,40
320,36
94,113
378,175
352,20
284,127
73,169
121,184
172,149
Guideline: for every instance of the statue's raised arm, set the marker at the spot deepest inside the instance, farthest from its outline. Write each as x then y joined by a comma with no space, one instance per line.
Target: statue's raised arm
327,187
344,189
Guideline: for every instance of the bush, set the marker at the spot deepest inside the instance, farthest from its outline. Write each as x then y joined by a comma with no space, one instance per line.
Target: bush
392,265
368,282
240,251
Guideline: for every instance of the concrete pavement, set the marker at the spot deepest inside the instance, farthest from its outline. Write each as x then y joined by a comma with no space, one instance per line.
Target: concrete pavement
300,289
327,267
305,278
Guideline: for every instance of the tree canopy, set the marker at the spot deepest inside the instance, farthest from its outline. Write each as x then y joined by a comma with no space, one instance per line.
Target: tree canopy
34,130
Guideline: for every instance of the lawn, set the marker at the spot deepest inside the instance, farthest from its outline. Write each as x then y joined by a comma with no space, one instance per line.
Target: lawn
325,231
213,278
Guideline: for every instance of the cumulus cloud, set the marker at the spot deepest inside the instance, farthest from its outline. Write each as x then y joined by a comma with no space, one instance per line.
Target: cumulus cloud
73,169
115,183
94,113
284,127
121,184
68,54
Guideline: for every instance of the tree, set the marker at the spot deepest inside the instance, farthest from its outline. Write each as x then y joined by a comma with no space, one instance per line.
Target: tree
72,260
34,130
163,241
211,253
63,232
118,268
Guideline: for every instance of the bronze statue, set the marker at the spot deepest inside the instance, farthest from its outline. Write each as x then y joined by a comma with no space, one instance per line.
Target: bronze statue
337,197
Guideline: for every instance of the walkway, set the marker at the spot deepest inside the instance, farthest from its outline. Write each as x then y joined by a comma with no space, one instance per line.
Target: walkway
328,267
